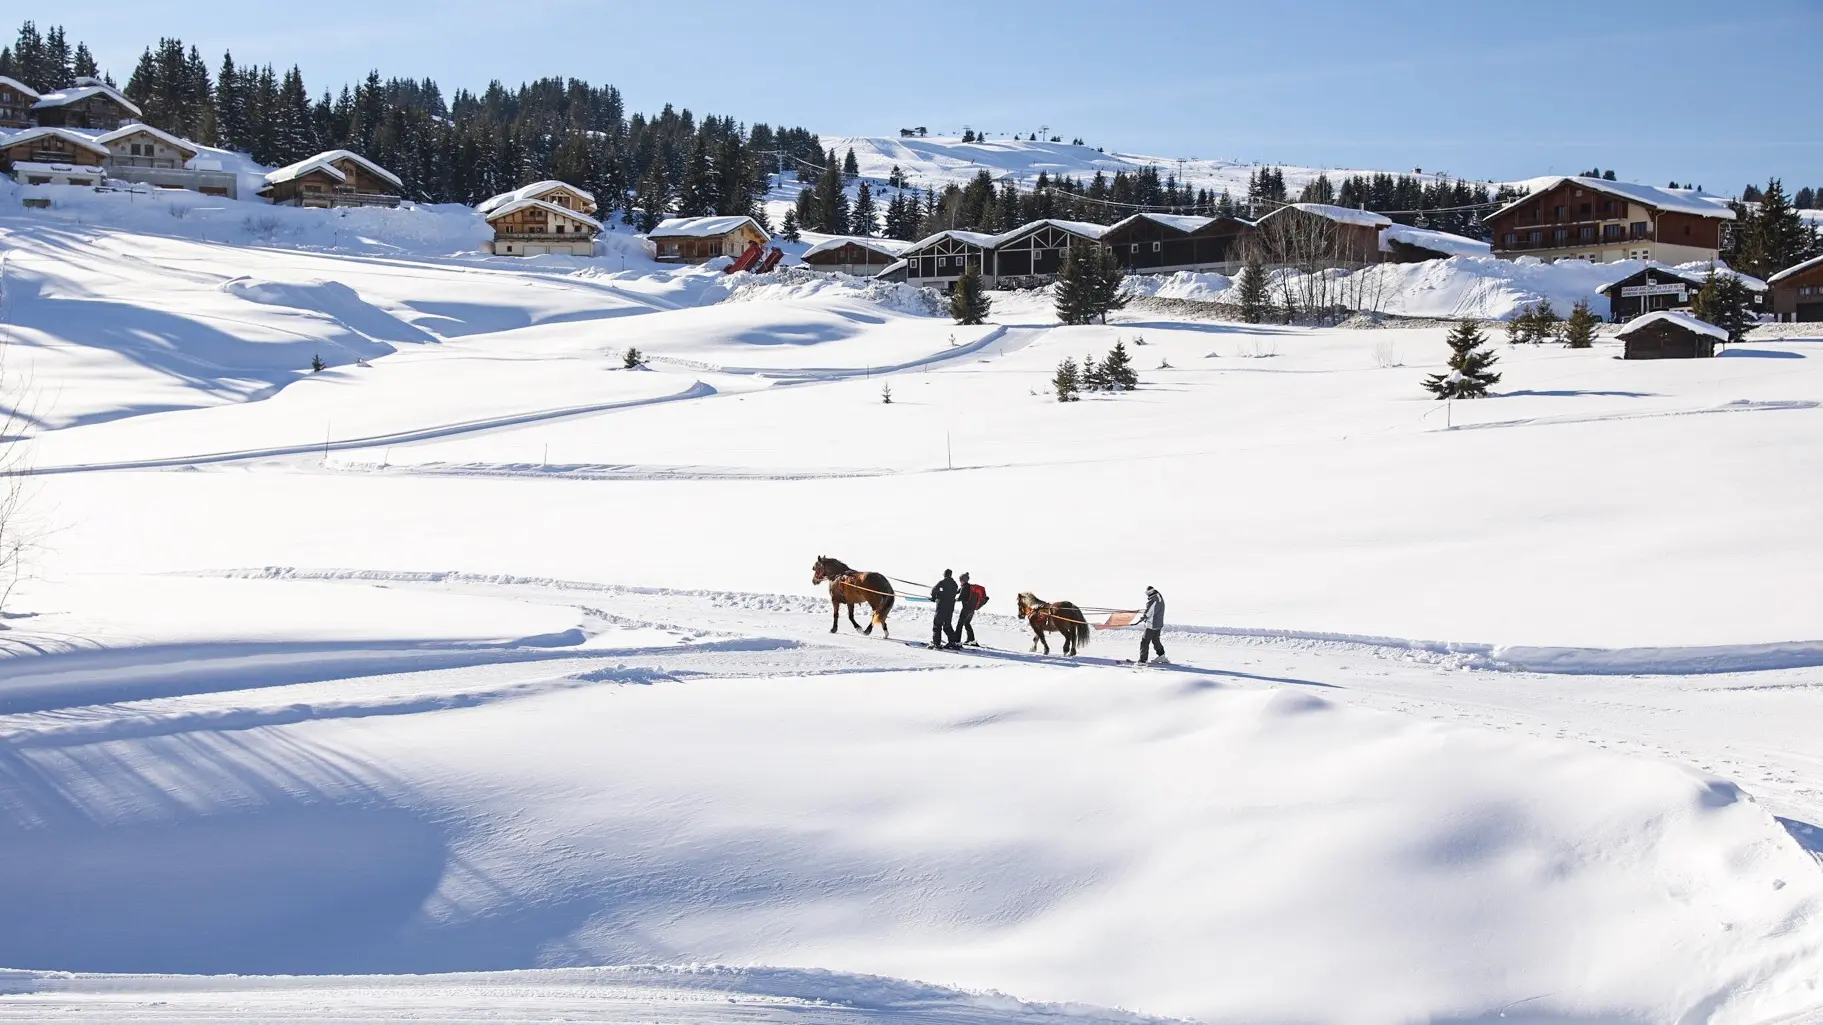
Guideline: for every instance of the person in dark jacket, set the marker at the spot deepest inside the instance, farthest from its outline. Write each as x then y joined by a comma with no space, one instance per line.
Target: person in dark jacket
942,631
1154,620
965,617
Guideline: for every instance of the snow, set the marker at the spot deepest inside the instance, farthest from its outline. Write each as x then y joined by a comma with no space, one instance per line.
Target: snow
888,246
536,190
1686,201
126,131
1085,229
1339,214
325,162
67,135
973,238
1697,273
700,227
478,678
1678,319
1177,222
84,88
1433,240
517,205
26,167
1794,270
19,87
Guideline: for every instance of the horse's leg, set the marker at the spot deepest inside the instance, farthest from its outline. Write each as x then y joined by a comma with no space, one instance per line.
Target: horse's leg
873,616
884,632
851,616
835,613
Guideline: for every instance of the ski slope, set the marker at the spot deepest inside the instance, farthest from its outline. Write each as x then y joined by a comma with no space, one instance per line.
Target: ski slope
480,678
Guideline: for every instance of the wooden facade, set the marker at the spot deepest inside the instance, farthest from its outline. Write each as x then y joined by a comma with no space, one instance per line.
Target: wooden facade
1797,292
137,145
1155,244
334,179
1035,251
851,257
1658,288
942,258
701,239
88,104
1579,219
16,100
535,227
1318,234
46,146
1667,336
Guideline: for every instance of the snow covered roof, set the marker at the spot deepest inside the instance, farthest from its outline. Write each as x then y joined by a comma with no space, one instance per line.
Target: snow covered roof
1185,223
136,128
74,138
325,162
1683,201
18,86
1795,269
536,190
973,238
892,268
1433,240
888,246
26,166
702,227
538,204
1681,319
82,90
1339,214
1695,273
1086,229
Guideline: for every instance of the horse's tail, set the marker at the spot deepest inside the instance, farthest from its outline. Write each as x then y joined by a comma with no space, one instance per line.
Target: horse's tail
1076,624
882,593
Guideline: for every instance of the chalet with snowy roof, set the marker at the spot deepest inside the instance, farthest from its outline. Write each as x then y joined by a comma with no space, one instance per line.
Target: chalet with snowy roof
1797,292
1148,243
1299,233
1403,243
90,103
16,100
551,191
1670,334
539,227
145,155
1656,287
337,178
701,239
937,261
52,156
1034,251
1603,221
865,257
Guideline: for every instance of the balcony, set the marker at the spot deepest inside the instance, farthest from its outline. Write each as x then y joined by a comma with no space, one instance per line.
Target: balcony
1547,240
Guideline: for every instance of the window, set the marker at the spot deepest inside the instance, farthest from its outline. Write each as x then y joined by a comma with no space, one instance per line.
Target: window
1560,211
1512,237
1560,236
1136,247
1639,229
1607,206
1537,237
1588,232
1156,246
1611,232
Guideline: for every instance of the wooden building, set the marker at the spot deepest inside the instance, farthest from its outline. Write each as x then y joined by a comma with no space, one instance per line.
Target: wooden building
1403,243
1656,287
539,227
863,257
90,103
145,155
1797,292
1670,334
1033,252
52,156
551,191
332,179
701,239
1602,221
937,261
1319,233
16,99
1148,243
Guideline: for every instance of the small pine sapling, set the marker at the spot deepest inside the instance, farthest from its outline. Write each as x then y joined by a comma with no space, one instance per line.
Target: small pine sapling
316,363
1469,376
1252,284
1546,324
1092,377
634,359
968,303
1067,382
791,231
1579,330
886,393
1117,373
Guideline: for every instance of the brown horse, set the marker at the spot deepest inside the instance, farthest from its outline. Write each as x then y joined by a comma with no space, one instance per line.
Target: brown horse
853,587
1054,617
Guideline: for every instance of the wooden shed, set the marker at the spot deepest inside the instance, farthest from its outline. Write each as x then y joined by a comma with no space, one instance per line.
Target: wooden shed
338,177
701,239
1148,243
1669,334
538,227
90,103
1797,292
863,257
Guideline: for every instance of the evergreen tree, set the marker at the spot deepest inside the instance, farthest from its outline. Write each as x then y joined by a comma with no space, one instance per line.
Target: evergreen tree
1066,383
316,363
1469,376
1255,305
83,64
789,231
968,302
698,195
654,197
863,221
832,202
633,359
1088,285
1091,377
1117,373
1725,301
851,168
1579,330
1774,236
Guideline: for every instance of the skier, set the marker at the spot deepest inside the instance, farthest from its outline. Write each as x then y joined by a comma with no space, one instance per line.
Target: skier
1154,618
971,597
944,595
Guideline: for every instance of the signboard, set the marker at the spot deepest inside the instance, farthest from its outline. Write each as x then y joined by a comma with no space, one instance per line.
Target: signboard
1635,291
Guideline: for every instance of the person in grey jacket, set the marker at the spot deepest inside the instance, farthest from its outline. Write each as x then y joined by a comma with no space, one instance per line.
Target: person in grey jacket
1154,619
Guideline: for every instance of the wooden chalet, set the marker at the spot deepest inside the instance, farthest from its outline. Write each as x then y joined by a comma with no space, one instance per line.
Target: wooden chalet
1797,292
539,227
701,239
1602,221
1148,243
1654,288
143,154
1670,334
937,261
333,179
557,193
1034,252
1299,233
863,257
52,156
16,99
1403,243
90,103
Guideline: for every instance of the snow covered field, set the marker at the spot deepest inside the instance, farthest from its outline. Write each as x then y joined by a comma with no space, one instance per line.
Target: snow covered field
484,656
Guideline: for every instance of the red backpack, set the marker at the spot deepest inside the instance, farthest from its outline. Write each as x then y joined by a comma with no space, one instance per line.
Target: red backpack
979,593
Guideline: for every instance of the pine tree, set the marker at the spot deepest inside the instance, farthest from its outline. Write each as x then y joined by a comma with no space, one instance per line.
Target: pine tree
1579,330
831,203
1117,371
1725,301
789,231
1091,377
1255,304
316,363
1108,279
654,197
633,359
863,221
1066,383
968,303
1469,376
851,168
886,393
1088,285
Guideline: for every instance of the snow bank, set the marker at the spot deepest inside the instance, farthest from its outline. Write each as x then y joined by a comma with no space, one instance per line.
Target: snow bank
1204,286
804,283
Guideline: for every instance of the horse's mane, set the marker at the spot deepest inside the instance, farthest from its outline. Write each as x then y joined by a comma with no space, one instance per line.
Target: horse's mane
835,564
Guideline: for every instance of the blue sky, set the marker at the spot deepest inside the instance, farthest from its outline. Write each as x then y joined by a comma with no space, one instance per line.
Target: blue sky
1715,93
